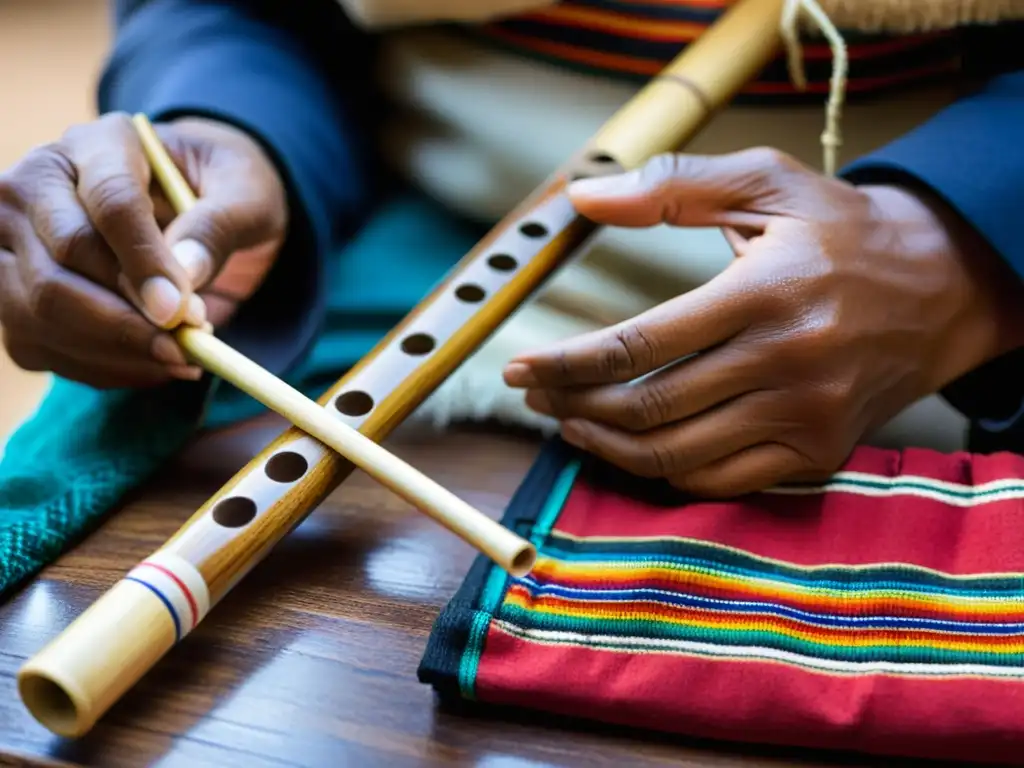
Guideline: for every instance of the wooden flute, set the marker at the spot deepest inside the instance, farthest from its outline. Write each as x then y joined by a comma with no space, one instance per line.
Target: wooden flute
81,673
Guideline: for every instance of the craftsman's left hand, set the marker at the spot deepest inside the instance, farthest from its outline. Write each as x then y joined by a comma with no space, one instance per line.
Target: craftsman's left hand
844,305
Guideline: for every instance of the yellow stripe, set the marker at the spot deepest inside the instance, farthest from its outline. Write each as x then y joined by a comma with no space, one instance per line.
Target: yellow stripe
853,567
860,638
618,23
560,571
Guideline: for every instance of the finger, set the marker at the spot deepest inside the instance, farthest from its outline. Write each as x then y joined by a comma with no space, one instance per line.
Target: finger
680,448
698,320
91,318
739,189
237,210
755,469
113,185
75,316
67,234
100,375
669,395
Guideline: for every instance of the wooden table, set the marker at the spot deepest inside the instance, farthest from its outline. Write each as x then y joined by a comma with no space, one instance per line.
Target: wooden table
311,660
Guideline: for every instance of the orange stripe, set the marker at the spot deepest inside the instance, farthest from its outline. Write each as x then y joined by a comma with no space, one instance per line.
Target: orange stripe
623,25
649,611
717,4
723,586
617,24
650,67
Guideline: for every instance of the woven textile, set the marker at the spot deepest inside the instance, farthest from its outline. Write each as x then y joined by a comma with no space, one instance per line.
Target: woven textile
627,38
880,612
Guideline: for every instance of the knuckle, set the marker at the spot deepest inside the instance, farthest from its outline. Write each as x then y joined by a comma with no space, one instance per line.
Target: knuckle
45,298
114,196
74,244
218,231
660,169
770,159
649,408
655,461
628,352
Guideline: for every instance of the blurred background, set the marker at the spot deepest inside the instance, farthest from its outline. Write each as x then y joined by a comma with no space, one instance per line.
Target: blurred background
51,52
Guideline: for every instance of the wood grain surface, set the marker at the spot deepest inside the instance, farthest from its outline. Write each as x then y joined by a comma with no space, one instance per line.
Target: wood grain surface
311,660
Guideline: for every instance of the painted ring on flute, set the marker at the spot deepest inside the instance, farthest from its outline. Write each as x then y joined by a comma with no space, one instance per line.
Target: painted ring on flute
418,344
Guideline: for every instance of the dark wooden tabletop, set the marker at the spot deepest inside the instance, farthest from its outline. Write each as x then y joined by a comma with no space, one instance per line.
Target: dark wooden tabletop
311,660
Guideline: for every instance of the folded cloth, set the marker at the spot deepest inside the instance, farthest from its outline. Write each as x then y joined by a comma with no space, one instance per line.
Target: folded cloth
880,612
84,450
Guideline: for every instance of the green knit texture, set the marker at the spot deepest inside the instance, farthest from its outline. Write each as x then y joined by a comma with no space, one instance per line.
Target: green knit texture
83,451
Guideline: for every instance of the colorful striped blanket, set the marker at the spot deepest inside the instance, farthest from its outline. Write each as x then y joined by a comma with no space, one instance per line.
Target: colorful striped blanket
636,39
882,612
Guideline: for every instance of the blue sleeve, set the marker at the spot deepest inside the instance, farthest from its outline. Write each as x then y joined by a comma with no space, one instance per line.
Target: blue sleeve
971,155
285,77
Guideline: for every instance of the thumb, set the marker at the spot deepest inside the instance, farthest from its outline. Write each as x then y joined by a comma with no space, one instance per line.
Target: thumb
740,190
225,221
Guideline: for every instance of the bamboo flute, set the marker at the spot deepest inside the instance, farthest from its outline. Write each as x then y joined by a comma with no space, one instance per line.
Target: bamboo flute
75,679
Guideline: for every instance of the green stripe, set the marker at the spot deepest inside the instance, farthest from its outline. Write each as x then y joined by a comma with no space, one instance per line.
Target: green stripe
470,661
896,484
706,557
886,650
497,581
556,502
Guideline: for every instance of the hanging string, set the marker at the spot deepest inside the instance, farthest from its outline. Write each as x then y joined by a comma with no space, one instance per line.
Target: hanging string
831,137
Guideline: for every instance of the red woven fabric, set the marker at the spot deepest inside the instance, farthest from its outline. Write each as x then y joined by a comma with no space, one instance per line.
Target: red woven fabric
882,613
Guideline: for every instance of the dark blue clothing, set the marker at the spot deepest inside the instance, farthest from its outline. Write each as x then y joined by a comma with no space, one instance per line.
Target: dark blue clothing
295,76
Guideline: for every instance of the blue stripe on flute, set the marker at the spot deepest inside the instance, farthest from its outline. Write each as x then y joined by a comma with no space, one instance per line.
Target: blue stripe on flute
165,601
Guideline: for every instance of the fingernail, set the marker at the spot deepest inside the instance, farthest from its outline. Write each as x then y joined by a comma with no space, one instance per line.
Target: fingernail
160,300
538,400
195,260
196,314
519,375
167,351
186,372
600,186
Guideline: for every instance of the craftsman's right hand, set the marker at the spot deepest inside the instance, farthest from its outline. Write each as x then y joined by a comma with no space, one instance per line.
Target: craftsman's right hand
95,268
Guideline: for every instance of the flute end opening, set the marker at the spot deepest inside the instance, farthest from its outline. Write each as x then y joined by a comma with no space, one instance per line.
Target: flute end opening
51,704
523,562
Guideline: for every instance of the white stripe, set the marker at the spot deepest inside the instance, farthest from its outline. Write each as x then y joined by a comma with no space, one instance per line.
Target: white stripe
937,490
189,575
665,645
165,585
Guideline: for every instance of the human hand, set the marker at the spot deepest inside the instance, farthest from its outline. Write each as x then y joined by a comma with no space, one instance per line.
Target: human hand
844,305
95,268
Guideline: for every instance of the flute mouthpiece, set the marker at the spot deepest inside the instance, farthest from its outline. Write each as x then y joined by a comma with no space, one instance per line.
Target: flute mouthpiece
73,681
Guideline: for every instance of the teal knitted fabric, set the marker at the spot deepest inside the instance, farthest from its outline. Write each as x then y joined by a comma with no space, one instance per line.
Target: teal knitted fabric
83,450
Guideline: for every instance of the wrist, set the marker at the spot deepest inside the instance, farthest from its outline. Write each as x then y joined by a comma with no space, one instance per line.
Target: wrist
980,299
